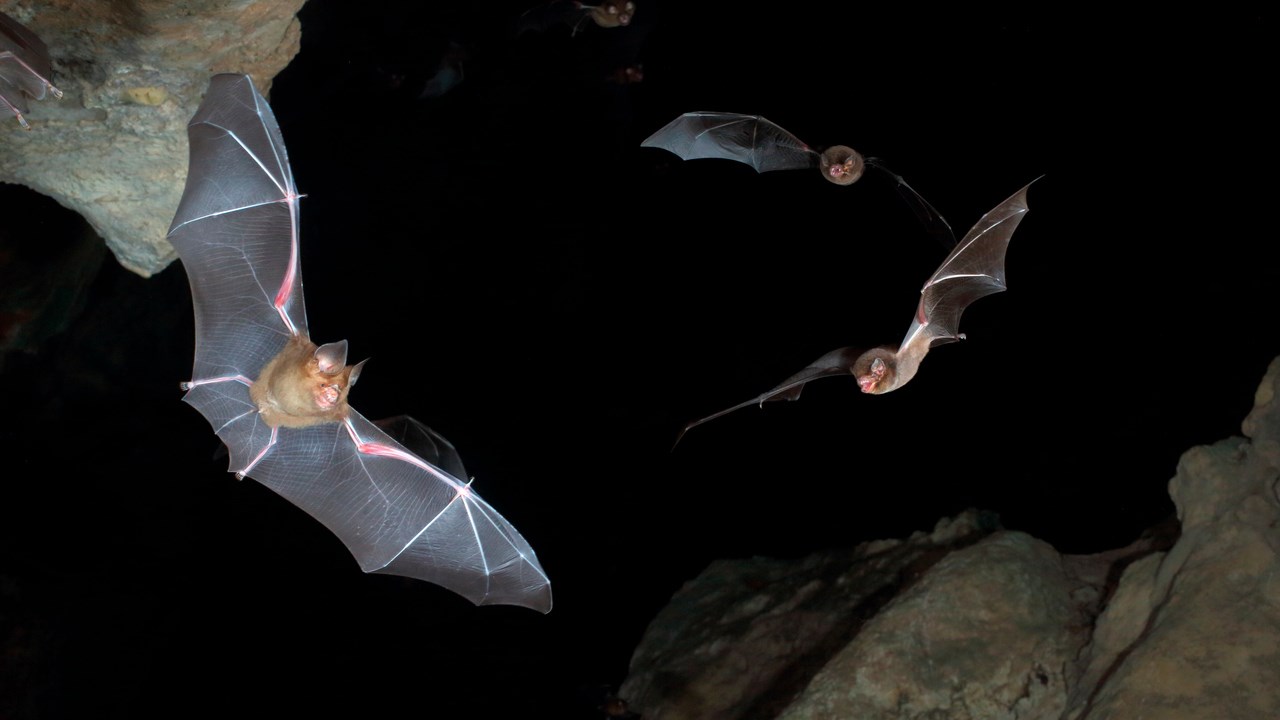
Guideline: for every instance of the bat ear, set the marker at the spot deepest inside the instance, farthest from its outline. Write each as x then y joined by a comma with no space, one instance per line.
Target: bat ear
332,357
355,372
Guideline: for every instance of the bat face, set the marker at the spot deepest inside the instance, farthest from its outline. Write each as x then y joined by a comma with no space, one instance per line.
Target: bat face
24,68
279,401
841,165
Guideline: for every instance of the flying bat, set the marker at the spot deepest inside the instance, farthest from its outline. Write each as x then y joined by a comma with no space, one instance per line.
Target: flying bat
974,269
24,68
279,402
755,141
606,14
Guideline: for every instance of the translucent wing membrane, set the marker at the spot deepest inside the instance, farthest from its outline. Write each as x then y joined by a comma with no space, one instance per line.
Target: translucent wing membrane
25,70
748,139
236,230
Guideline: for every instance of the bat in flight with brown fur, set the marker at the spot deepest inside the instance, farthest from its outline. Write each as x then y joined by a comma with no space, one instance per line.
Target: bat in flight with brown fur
974,269
394,492
765,146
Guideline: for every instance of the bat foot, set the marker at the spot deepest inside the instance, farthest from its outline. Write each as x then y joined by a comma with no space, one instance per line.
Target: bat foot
240,475
185,385
56,92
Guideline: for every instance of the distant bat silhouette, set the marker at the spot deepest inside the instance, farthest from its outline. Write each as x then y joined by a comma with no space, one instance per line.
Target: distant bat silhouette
974,269
24,68
395,495
755,141
574,14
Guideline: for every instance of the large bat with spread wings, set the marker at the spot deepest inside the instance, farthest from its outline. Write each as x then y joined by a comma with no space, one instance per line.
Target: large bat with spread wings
279,402
24,68
974,269
765,146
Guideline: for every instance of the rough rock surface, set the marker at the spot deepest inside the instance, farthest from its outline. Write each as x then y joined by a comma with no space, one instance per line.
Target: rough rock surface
114,148
971,623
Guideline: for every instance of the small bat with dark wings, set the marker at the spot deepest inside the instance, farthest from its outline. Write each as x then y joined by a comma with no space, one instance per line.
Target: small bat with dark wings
279,402
755,141
974,269
24,68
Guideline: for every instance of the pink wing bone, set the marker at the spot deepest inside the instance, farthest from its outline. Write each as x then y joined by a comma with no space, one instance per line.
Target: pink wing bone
263,159
390,451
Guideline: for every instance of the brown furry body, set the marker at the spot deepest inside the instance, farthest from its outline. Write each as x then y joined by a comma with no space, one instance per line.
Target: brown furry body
296,389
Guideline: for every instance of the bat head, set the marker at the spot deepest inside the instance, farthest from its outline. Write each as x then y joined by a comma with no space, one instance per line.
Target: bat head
841,164
875,371
613,13
332,376
305,385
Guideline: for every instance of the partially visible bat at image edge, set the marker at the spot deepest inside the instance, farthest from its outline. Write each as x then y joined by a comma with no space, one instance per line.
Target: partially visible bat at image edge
974,269
755,141
279,402
24,68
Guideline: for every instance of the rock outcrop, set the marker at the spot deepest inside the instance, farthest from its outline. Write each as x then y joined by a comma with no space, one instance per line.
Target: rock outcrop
974,622
114,148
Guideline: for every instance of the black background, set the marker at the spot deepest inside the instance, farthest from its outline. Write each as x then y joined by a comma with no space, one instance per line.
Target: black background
559,302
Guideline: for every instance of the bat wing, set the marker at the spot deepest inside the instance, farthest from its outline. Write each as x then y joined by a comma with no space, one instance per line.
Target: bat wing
236,230
25,69
930,218
836,362
424,442
401,515
749,139
974,269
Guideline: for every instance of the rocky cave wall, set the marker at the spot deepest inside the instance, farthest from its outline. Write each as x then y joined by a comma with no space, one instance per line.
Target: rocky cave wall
972,622
114,147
